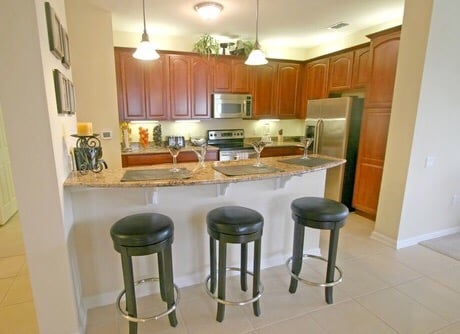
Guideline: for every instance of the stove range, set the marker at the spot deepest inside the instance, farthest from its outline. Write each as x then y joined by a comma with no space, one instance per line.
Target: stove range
231,144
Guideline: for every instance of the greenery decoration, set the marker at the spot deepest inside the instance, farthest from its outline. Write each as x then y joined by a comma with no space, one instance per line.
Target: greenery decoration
206,45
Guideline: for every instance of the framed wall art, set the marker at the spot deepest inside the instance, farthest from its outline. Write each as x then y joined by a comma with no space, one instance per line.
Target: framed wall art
54,31
65,48
61,90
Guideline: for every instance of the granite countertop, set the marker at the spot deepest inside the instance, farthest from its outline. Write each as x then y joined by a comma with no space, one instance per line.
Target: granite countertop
111,178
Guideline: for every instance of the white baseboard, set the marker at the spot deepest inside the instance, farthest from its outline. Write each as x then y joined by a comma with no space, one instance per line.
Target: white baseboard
398,244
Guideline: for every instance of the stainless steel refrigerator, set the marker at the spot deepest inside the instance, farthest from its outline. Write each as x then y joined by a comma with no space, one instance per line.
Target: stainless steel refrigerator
334,124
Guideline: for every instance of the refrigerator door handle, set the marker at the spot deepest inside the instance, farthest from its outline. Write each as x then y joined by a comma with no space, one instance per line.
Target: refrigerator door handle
317,136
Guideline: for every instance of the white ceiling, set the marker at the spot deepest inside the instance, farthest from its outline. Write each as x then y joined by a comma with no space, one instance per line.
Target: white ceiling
296,23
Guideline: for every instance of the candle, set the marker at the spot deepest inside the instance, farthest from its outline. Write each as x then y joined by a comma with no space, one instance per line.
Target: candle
84,128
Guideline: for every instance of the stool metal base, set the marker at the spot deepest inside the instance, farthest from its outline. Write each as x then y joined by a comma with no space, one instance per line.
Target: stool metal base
297,277
229,302
153,317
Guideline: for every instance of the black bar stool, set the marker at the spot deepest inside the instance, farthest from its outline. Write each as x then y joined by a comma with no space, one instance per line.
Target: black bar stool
236,225
319,213
145,234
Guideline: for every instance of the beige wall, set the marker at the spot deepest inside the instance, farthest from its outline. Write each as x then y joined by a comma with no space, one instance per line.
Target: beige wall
415,201
93,67
39,149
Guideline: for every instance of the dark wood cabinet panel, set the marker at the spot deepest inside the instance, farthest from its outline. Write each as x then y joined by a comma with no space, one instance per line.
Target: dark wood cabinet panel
130,160
288,88
376,119
230,75
278,151
200,87
130,86
360,68
179,87
340,71
383,61
264,83
316,79
156,83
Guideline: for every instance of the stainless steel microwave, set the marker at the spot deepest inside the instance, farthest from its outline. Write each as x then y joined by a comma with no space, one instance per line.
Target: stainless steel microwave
232,105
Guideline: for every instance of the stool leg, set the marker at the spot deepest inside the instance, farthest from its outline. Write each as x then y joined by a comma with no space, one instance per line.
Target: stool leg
297,254
244,266
222,276
168,281
161,265
333,243
212,252
128,279
256,278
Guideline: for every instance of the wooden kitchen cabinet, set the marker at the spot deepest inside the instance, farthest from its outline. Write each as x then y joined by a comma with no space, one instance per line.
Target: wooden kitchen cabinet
383,58
130,160
314,83
287,95
230,75
340,71
189,87
360,68
277,151
141,87
264,90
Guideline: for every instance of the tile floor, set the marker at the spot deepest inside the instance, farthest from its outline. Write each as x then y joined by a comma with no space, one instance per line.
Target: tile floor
412,290
17,311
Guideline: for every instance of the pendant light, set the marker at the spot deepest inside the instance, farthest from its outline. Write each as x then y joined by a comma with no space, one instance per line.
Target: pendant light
145,50
256,57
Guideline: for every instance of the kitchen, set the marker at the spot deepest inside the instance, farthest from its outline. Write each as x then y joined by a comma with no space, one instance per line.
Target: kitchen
394,216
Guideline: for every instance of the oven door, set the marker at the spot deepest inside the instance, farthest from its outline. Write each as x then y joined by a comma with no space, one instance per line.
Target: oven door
243,154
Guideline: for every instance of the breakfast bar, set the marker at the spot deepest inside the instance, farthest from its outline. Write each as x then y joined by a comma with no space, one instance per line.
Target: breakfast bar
98,200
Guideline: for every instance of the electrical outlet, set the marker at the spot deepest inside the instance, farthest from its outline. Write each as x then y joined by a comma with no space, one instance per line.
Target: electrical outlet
430,162
455,200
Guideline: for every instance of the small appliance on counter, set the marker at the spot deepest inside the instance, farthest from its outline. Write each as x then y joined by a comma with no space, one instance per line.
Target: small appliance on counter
176,141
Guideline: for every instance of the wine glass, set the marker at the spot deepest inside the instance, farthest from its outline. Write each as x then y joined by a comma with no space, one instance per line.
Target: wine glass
306,142
258,147
200,147
174,150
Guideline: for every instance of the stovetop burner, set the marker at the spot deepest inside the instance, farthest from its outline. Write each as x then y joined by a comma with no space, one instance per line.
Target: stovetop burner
227,138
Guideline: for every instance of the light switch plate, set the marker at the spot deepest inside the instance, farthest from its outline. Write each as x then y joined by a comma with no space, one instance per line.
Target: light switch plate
106,135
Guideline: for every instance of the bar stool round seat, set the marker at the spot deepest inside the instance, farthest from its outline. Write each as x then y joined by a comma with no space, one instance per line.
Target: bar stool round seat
317,213
139,235
234,225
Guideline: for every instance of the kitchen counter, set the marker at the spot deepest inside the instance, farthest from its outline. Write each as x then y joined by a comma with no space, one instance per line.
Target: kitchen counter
111,178
97,201
161,149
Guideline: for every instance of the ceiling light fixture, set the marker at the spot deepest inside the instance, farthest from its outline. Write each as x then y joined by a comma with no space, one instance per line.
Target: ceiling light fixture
208,10
145,50
256,57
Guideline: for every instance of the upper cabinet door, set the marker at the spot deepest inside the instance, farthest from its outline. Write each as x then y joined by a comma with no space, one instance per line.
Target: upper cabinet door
316,79
360,68
130,85
222,79
179,86
240,76
383,63
200,87
340,71
288,81
264,81
156,83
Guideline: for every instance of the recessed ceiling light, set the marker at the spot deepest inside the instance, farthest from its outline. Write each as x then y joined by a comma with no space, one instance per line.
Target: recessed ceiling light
338,25
209,10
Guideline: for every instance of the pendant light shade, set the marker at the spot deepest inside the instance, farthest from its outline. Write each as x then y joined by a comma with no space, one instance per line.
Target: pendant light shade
256,57
145,50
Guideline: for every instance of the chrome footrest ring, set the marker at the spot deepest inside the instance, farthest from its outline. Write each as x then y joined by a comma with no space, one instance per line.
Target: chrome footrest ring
229,302
300,279
125,315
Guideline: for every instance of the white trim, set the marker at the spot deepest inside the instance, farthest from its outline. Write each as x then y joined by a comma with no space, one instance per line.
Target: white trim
428,236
